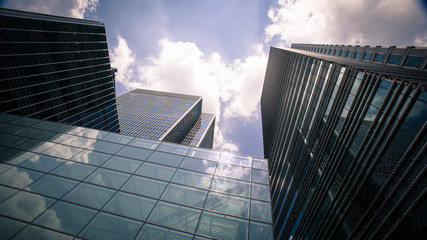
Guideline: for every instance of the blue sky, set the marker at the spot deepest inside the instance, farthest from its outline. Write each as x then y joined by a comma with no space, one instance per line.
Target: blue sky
219,49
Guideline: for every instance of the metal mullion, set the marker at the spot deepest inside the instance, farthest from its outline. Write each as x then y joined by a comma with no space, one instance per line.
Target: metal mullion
363,177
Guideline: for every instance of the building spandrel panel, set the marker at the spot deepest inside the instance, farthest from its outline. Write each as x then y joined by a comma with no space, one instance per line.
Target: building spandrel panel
98,195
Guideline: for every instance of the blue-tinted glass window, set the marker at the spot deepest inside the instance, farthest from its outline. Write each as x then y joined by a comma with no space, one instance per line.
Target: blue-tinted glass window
90,195
232,186
379,57
166,159
156,171
19,177
153,232
185,195
223,227
394,59
358,55
175,216
261,191
34,232
108,178
118,138
74,170
145,186
236,159
260,231
233,171
260,210
91,157
8,227
260,176
42,163
204,153
134,152
62,151
260,163
192,178
342,53
173,148
122,164
130,205
367,56
52,186
144,143
6,192
228,204
349,53
25,206
199,165
413,61
105,147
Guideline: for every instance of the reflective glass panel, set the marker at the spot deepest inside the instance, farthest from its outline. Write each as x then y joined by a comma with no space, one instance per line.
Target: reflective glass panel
108,178
175,216
205,154
192,178
62,151
20,158
34,233
6,192
90,195
228,204
223,227
52,186
185,195
92,133
260,231
8,227
25,206
66,217
74,170
173,148
260,163
145,186
90,157
108,226
156,171
118,138
166,158
233,171
260,176
42,163
261,191
130,205
19,177
122,164
199,165
106,147
236,159
261,210
134,152
78,141
231,186
153,232
144,143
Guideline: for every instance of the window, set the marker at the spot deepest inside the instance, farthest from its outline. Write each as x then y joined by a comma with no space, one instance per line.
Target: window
394,59
413,61
367,56
379,57
358,55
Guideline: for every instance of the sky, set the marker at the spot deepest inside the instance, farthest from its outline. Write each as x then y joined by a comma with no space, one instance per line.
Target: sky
219,49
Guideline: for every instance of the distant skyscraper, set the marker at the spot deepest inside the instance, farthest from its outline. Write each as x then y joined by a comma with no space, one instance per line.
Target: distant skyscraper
165,116
344,130
57,69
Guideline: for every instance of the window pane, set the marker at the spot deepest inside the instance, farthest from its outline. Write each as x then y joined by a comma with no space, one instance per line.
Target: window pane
199,165
261,191
261,210
144,143
78,141
260,231
156,171
122,164
108,178
62,151
34,232
42,163
228,204
166,158
66,217
236,159
175,216
223,227
185,195
118,138
19,177
90,195
153,232
90,157
25,206
173,148
92,133
74,170
232,171
134,152
145,186
106,147
231,186
6,192
260,176
205,154
192,178
8,227
52,186
260,163
108,226
130,205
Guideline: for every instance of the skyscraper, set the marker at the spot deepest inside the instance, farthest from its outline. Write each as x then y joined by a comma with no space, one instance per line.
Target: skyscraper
59,182
344,130
165,116
56,68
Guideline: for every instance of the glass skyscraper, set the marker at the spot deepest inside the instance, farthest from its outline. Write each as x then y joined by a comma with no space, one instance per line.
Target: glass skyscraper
165,116
344,130
56,68
65,182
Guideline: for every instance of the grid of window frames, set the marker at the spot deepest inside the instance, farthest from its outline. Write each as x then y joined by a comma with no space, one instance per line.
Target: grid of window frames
63,182
56,69
346,150
199,135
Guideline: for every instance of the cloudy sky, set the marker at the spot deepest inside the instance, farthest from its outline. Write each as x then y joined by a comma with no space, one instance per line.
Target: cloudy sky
219,49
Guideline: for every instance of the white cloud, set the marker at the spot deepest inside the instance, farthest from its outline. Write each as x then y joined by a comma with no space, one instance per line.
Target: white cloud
68,8
182,67
123,58
368,22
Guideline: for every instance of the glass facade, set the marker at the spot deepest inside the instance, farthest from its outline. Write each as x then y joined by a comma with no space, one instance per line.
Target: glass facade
346,146
56,69
165,116
63,182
